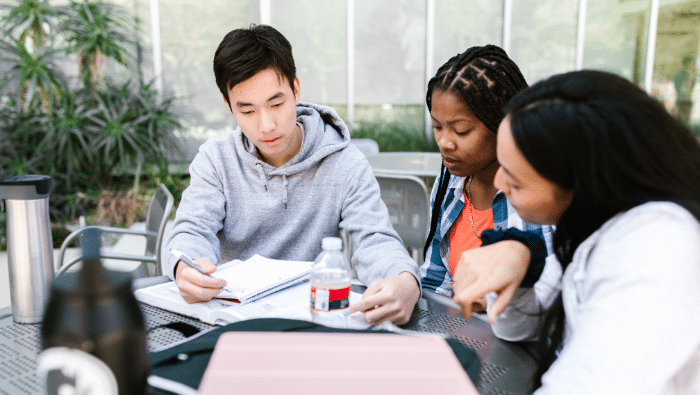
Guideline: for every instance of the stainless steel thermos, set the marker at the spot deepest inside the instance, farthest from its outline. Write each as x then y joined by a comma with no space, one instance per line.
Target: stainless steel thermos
25,199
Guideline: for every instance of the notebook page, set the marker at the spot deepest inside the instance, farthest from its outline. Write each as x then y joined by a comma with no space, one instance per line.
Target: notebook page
258,274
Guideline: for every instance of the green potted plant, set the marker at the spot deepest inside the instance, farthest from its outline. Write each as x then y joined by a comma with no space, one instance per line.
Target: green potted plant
86,131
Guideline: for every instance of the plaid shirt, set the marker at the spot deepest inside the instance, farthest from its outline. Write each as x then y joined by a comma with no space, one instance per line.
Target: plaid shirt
434,273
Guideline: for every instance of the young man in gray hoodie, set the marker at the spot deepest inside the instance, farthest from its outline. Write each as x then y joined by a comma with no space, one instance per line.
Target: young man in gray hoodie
282,181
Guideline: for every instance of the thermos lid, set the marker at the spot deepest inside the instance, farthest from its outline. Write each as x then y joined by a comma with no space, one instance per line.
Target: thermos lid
25,187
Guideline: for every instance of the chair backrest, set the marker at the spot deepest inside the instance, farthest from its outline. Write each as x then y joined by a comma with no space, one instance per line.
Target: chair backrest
159,210
367,146
406,198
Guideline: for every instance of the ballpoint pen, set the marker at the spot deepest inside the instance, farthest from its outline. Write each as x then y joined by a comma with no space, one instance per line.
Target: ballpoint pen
183,257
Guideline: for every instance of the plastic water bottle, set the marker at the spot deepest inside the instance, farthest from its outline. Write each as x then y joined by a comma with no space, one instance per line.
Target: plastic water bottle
330,285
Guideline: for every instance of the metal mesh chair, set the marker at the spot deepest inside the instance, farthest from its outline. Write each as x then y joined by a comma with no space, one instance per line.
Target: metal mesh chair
406,198
157,216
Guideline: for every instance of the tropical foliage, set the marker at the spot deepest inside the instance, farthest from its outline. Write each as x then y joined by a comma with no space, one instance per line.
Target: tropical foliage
95,31
86,131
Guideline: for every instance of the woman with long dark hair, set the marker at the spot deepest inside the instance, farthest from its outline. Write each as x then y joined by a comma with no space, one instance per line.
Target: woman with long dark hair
620,177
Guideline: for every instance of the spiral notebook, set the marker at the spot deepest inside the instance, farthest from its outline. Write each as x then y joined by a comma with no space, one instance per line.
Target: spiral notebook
273,285
258,276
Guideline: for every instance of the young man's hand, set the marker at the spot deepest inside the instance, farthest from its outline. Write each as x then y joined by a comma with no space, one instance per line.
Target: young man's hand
391,299
194,286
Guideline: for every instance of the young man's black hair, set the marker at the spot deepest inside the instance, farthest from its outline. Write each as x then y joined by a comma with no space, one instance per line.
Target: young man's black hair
245,52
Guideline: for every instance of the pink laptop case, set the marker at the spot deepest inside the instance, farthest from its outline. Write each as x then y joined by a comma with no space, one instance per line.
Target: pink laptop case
333,363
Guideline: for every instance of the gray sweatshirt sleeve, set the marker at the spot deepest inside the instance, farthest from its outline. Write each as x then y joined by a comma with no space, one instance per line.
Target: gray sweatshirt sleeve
200,214
378,251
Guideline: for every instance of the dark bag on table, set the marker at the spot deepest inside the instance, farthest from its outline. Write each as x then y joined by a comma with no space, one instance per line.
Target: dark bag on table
185,363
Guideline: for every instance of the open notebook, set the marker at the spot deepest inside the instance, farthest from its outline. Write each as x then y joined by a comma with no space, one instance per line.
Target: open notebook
255,287
333,363
258,287
258,276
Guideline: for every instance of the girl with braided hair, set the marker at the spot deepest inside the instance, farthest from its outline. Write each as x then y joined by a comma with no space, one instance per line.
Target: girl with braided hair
466,99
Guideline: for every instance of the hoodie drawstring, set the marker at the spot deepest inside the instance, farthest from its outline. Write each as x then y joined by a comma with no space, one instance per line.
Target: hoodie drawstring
264,181
284,190
262,174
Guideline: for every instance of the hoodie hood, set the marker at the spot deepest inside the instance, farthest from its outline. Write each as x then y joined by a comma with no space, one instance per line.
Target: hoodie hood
323,133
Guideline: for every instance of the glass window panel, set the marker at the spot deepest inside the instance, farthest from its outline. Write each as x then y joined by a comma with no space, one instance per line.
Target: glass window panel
462,24
390,71
317,31
389,51
191,30
617,37
543,39
118,73
142,10
676,79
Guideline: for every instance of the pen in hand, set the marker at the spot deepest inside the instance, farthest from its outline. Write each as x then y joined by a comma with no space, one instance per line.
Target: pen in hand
183,257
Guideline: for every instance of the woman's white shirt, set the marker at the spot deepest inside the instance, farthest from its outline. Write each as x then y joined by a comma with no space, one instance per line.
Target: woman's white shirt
632,300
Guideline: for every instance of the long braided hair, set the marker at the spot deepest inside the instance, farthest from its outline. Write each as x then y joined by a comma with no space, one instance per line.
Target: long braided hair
486,79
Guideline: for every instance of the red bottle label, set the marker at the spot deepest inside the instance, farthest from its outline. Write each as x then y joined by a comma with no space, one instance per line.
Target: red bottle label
330,299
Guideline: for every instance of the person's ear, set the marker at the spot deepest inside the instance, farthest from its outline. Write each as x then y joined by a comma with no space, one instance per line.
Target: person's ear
297,90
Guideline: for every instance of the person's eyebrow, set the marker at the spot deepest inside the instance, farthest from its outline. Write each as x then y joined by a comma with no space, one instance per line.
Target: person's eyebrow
277,95
469,121
511,175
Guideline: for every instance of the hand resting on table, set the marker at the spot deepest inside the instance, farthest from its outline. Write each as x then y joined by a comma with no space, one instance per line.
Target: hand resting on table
390,299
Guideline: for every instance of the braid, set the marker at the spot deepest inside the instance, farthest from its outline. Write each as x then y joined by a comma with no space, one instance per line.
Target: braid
439,197
484,77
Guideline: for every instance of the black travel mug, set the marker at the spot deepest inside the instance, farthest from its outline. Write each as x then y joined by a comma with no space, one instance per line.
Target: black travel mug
93,332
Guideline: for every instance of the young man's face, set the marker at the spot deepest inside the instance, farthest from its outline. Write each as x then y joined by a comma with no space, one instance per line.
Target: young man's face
265,108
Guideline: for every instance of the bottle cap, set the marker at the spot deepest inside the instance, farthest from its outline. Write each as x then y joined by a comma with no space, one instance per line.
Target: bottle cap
331,243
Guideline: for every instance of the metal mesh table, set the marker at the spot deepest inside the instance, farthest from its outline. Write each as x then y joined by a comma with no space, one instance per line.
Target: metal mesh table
506,367
21,343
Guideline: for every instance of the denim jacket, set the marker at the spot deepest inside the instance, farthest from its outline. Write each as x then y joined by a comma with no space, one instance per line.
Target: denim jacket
435,275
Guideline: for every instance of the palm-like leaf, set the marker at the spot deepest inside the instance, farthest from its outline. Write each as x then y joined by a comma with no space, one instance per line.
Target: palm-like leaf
81,138
96,30
21,134
161,121
122,125
67,138
34,75
30,19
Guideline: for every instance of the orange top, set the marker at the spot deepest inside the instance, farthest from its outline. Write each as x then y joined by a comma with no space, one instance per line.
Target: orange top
462,235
